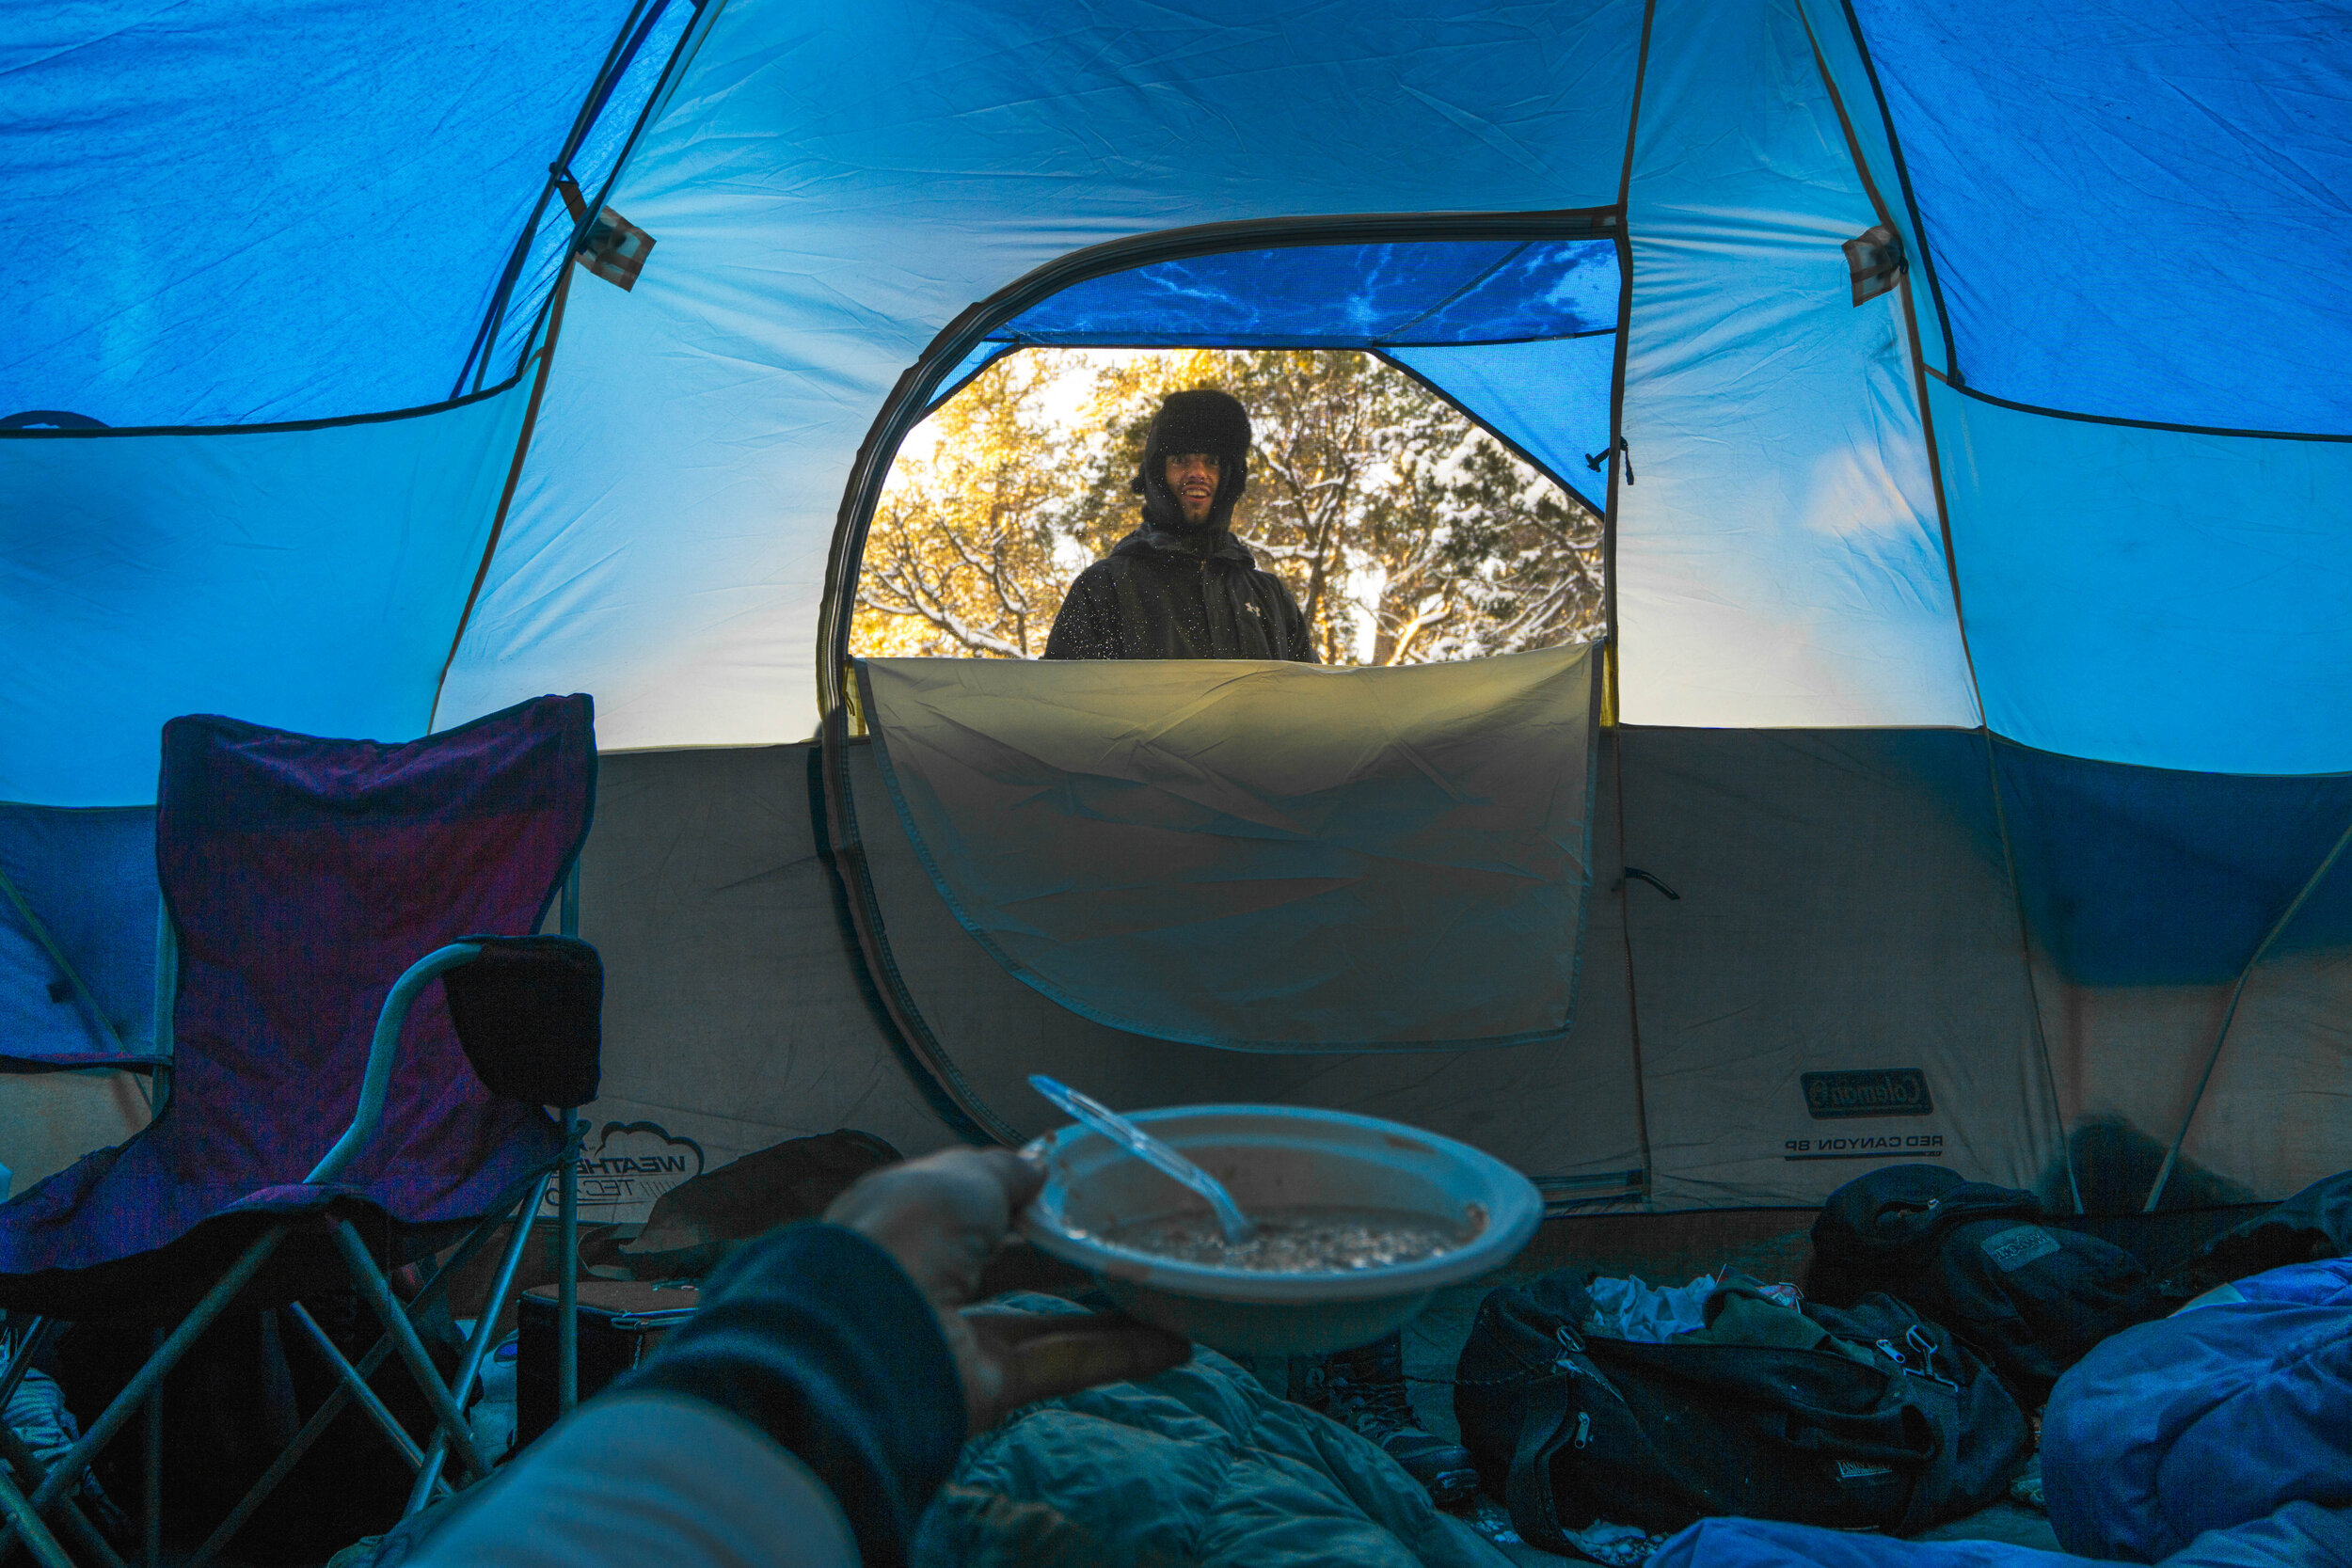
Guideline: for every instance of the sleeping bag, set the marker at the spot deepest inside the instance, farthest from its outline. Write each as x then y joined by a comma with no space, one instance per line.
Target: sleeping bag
2299,1535
2207,1419
1200,1467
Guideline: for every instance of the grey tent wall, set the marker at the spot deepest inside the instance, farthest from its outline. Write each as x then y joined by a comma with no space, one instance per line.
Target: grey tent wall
1845,909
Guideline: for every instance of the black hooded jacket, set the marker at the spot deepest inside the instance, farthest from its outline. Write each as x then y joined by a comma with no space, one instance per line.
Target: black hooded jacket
1167,590
1160,594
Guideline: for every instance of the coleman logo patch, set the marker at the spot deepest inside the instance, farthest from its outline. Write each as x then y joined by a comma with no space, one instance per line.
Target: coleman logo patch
2019,1246
1886,1091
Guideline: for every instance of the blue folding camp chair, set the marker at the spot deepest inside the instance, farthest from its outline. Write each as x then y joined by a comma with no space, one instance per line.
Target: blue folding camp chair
365,1038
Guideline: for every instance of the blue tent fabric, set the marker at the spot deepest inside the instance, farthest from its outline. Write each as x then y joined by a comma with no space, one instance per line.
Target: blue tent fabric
2201,1422
88,880
2139,876
1340,296
2135,208
307,579
2153,596
1522,334
276,209
292,211
646,54
820,227
1779,558
1550,399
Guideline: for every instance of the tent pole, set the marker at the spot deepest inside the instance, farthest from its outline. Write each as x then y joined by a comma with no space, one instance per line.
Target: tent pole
2025,958
2229,1016
567,1214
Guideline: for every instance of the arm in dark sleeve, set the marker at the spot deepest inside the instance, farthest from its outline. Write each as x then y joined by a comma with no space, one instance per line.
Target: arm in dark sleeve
1301,647
815,1336
1087,627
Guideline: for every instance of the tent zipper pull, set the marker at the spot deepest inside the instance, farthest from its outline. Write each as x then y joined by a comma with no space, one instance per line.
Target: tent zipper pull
1583,1428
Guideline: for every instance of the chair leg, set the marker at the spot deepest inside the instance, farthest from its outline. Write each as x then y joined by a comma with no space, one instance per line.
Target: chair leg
68,1470
478,1346
355,1383
29,1528
567,1275
19,1455
30,1345
410,1349
336,1400
283,1464
154,1501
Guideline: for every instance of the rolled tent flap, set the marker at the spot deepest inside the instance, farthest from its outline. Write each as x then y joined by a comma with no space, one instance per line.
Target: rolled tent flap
1261,856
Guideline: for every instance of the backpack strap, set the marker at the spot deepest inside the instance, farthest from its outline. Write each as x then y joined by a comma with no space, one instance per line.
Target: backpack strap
1543,1421
1932,1489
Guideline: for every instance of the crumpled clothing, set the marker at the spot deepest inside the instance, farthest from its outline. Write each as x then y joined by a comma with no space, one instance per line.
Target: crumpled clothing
36,1413
1615,1545
1649,1314
1646,1314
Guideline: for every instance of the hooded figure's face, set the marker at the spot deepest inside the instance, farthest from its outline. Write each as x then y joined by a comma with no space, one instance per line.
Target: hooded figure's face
1198,441
1192,479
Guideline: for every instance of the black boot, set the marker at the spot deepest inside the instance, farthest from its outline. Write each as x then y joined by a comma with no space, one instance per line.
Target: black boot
1364,1392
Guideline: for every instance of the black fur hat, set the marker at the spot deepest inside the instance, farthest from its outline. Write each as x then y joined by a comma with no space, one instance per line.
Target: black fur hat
1200,420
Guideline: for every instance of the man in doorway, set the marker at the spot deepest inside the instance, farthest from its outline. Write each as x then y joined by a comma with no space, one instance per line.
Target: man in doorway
1180,586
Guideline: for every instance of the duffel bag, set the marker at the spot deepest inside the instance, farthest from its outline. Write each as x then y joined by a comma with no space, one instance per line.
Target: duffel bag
1884,1420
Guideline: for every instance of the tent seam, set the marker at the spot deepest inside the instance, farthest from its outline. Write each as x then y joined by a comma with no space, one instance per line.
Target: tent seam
1999,401
486,336
506,496
2024,952
1614,708
1507,444
278,427
1903,177
1918,366
2229,1016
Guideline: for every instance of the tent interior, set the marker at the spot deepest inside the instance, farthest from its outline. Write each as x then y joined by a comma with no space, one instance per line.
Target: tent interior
1968,764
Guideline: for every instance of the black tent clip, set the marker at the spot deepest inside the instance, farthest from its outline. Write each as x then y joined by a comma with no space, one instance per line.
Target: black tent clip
1635,873
1592,460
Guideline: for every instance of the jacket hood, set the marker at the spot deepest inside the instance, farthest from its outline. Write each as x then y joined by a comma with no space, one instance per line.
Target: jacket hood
1201,420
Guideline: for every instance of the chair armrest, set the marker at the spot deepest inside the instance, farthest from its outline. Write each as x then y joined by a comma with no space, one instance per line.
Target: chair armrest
383,1050
529,1014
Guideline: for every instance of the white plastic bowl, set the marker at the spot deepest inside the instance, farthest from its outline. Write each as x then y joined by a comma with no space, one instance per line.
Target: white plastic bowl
1269,1157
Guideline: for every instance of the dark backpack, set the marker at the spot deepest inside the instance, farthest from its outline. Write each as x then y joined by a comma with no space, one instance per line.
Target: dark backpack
2031,1298
1569,1427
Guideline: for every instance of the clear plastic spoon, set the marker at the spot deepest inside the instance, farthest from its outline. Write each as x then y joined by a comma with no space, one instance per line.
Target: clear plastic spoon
1238,1226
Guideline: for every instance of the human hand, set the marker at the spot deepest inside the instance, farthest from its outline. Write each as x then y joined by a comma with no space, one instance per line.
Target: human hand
943,1217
